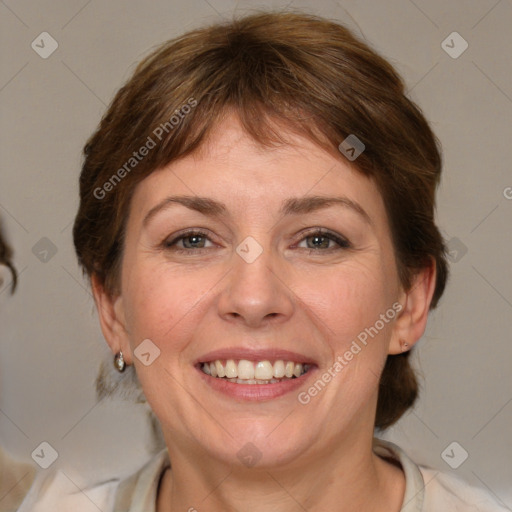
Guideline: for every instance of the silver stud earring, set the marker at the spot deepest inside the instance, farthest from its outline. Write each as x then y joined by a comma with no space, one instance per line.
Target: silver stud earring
404,345
119,363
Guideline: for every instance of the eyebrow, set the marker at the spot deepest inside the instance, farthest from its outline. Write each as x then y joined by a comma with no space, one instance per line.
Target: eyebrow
291,206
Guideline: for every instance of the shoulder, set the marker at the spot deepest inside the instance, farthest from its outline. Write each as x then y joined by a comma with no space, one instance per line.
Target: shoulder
430,490
138,493
15,481
444,490
55,491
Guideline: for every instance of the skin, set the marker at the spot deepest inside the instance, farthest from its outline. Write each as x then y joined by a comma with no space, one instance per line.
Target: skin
294,296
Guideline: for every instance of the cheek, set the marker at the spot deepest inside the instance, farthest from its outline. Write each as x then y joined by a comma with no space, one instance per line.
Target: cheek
355,308
160,301
351,299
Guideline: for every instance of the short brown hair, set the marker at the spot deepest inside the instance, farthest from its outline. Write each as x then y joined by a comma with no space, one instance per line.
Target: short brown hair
312,75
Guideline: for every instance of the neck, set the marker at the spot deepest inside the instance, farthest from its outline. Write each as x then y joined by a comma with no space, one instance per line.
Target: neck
348,478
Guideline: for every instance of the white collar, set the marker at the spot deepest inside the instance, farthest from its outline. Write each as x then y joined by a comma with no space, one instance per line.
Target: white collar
139,492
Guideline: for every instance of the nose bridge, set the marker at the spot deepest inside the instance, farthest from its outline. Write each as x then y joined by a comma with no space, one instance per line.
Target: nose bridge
254,292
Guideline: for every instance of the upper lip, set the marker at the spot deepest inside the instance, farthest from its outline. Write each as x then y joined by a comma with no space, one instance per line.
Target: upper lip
269,354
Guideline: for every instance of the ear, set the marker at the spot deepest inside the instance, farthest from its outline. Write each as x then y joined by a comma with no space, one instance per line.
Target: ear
112,319
412,319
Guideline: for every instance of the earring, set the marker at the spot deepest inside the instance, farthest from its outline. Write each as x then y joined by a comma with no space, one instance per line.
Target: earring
404,345
119,363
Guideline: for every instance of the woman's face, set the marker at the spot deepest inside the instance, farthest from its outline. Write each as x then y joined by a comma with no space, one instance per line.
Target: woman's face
256,283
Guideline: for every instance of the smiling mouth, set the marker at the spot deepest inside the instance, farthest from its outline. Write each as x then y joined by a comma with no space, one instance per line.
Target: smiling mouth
243,371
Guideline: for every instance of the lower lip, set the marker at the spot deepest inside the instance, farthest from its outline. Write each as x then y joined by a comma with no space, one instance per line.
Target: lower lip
256,392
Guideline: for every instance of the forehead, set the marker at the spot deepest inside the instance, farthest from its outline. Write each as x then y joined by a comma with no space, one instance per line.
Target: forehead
238,171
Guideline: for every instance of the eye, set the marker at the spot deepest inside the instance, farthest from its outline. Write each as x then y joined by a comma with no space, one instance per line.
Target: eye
319,240
191,240
324,241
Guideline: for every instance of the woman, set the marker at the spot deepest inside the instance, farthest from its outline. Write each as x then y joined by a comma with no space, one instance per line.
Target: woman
257,221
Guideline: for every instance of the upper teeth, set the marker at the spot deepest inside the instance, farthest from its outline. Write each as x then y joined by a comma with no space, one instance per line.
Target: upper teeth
259,370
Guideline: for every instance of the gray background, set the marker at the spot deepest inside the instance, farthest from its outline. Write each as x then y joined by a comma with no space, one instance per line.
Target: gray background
51,344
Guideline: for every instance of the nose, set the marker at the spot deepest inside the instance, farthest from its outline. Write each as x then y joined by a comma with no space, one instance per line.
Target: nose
254,293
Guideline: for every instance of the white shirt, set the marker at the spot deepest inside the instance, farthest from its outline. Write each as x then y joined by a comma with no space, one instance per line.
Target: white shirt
426,490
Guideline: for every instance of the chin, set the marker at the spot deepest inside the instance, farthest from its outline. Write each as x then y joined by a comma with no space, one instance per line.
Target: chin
260,443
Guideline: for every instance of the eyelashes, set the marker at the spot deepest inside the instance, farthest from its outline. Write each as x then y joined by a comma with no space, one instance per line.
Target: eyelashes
195,236
171,244
342,242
